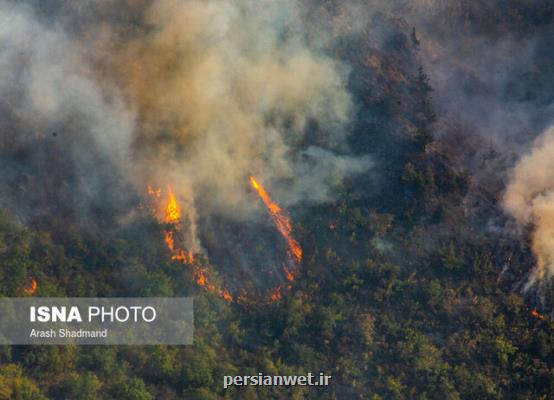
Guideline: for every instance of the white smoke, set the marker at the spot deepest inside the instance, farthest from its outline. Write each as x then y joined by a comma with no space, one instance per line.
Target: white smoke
47,82
529,198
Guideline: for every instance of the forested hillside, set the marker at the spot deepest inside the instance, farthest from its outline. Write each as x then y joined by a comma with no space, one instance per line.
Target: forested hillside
410,280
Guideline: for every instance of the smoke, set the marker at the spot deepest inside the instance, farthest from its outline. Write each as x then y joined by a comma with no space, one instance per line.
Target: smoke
493,84
47,82
198,94
228,89
57,120
529,198
103,99
493,79
202,94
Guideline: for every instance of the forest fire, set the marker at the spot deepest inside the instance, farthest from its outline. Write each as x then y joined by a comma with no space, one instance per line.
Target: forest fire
171,215
284,226
32,288
281,221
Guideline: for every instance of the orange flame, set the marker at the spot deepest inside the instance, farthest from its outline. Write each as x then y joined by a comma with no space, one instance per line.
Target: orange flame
32,288
281,221
172,210
289,274
186,257
153,192
226,295
168,239
201,275
172,216
276,294
202,279
536,314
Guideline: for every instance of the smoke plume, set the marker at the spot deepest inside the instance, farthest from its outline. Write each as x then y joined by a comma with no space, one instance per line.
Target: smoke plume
102,100
228,89
529,199
192,93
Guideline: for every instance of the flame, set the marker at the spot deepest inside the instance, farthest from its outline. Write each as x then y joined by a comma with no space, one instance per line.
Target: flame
289,274
186,257
172,210
281,221
536,314
172,216
32,288
227,296
168,239
202,279
284,226
276,294
153,192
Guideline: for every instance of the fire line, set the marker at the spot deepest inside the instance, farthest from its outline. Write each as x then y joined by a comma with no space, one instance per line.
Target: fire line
281,221
172,217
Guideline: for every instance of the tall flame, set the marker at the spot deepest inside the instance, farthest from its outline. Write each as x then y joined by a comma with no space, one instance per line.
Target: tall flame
281,221
172,216
172,210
